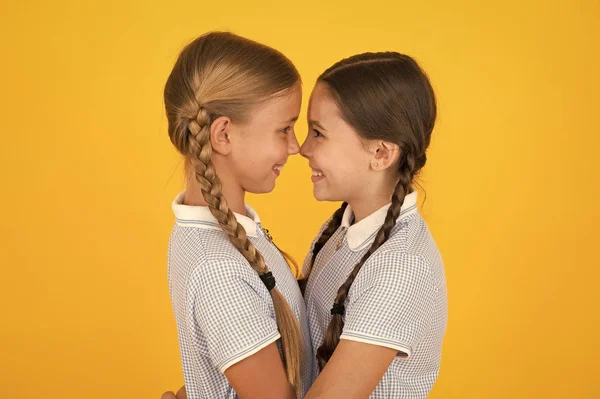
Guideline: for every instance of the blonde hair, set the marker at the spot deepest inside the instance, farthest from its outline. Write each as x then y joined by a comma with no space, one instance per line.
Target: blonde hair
222,74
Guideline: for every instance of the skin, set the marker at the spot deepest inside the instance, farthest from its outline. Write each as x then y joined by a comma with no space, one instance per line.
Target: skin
353,169
362,173
247,157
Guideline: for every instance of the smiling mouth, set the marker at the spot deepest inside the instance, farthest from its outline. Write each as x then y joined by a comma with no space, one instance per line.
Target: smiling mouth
317,175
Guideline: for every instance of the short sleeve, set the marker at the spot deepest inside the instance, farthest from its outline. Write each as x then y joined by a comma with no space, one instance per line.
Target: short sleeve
391,302
231,308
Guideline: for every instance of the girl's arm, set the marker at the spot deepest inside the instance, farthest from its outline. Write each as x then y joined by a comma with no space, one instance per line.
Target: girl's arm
353,372
391,308
181,394
261,375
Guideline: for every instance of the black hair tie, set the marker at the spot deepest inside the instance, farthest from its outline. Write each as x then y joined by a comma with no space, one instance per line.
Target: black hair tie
338,308
268,280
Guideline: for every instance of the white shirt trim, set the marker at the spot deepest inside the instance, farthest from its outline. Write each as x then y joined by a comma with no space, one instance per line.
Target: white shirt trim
200,217
363,232
404,351
250,351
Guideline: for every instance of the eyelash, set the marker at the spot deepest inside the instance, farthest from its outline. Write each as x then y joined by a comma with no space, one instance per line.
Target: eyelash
286,130
318,134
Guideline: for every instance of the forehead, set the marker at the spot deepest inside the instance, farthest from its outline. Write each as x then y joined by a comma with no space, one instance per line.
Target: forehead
321,105
282,107
323,109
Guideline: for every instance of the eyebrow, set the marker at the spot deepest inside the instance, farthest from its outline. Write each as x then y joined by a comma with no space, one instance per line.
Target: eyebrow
317,124
294,119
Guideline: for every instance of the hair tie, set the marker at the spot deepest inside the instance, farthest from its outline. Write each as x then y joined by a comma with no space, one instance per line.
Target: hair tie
338,308
268,280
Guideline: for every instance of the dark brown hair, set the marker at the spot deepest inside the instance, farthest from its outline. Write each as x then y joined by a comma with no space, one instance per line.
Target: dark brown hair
383,96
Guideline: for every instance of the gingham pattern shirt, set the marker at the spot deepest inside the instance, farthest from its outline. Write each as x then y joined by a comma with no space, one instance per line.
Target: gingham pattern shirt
224,312
398,299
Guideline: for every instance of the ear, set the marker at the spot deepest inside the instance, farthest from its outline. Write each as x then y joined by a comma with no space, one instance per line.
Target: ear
219,135
386,155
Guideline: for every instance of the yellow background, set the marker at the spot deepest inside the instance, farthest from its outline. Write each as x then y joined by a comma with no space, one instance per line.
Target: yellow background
88,175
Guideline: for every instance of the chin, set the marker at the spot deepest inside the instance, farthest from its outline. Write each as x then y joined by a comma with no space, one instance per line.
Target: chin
321,195
264,188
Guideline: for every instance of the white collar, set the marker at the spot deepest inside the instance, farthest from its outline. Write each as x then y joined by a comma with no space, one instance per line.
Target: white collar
200,216
363,232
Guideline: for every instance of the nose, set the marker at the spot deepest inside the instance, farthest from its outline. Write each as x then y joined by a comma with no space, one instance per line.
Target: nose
293,146
305,150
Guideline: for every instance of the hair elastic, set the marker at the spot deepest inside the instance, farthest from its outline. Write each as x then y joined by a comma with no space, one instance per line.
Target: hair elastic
268,280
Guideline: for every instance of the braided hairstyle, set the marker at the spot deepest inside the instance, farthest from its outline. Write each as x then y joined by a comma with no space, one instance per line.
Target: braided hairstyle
222,74
383,96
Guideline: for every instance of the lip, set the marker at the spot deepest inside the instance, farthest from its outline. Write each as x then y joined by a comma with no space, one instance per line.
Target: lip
316,179
277,172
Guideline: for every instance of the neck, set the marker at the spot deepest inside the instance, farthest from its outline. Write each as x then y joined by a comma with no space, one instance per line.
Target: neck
376,192
233,193
365,206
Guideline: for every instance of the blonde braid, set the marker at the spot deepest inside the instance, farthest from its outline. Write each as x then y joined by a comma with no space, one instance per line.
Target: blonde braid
200,157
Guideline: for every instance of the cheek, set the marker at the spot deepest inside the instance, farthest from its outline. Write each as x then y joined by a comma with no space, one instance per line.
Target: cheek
260,157
342,162
280,146
245,159
349,174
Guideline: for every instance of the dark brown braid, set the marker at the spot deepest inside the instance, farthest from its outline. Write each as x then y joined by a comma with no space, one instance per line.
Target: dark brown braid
384,97
329,230
334,330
